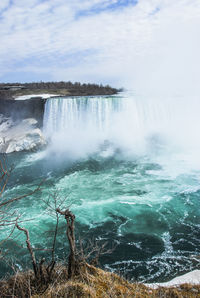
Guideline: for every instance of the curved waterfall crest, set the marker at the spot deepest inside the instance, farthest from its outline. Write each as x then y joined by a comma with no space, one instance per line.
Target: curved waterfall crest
67,113
126,120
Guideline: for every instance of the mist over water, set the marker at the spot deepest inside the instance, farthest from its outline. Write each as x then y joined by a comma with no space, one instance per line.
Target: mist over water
129,167
136,124
78,126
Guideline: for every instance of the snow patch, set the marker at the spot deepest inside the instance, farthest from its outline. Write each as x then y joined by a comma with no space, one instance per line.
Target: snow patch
192,277
24,97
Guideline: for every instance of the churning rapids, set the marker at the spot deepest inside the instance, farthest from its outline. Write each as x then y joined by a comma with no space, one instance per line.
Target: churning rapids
129,167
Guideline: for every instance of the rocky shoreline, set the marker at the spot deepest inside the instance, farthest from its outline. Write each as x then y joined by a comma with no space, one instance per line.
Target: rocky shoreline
18,135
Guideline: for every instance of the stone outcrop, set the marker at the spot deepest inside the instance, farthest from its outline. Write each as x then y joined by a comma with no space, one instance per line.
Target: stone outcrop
23,109
20,124
16,135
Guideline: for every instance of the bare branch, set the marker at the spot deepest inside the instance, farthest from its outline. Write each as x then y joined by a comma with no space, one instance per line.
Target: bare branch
91,250
4,173
30,249
21,197
10,234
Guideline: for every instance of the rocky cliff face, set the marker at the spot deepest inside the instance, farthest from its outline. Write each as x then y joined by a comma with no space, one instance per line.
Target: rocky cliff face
21,135
20,125
23,109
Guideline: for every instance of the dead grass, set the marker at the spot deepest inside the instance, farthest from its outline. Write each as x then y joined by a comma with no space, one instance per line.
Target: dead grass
91,282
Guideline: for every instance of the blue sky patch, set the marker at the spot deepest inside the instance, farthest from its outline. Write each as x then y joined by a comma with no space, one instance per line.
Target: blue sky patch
10,2
106,6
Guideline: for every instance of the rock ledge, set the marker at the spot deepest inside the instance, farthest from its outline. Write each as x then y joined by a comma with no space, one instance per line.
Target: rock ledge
19,135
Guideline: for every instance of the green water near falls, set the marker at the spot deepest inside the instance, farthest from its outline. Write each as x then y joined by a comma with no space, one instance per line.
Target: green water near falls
127,182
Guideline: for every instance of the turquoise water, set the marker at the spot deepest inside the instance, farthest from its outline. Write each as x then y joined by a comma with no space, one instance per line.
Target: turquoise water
146,205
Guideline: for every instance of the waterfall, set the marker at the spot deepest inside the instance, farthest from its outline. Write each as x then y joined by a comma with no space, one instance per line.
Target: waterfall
66,114
79,125
127,120
102,114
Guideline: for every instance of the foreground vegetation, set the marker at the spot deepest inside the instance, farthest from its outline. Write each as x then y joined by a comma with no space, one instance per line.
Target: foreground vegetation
9,91
90,282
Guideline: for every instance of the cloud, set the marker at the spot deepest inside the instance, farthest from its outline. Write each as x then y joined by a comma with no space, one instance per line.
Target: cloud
149,44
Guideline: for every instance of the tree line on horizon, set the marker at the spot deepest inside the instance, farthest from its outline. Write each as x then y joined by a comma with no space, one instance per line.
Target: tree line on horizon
69,88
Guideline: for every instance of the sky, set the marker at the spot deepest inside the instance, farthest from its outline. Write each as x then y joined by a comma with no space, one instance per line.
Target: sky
138,44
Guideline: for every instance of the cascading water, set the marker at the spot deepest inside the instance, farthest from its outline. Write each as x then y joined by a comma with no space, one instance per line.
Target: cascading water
80,124
66,114
129,122
139,190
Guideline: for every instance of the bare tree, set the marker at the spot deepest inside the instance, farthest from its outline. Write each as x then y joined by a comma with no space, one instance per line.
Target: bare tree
91,250
43,270
79,256
30,249
72,262
52,203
